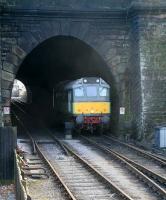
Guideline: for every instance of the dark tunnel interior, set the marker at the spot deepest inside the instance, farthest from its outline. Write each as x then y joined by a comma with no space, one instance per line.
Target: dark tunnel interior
58,59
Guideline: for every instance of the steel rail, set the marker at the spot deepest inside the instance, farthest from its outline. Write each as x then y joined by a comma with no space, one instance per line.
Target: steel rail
161,158
58,141
160,161
150,183
153,186
136,148
37,150
55,173
69,151
27,132
105,179
143,169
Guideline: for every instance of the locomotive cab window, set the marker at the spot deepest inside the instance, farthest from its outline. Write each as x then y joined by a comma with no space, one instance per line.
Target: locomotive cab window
103,91
91,91
79,92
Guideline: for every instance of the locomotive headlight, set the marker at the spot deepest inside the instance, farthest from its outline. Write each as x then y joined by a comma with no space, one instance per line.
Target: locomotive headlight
105,119
79,119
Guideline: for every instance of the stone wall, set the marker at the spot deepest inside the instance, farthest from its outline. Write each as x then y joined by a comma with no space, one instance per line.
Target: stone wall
81,5
148,78
129,37
135,76
106,33
152,47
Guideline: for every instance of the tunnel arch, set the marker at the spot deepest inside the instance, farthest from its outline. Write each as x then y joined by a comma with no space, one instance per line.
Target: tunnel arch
62,58
76,45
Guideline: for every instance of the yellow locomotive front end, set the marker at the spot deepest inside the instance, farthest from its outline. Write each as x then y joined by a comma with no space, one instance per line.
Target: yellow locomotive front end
91,108
91,104
84,103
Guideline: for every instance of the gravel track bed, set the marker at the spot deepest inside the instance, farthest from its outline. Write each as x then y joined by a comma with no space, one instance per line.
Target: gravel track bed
40,188
113,170
7,192
82,182
133,155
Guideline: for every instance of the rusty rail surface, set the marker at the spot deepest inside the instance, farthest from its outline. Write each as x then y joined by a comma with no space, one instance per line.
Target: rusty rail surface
98,174
150,183
160,161
143,169
55,173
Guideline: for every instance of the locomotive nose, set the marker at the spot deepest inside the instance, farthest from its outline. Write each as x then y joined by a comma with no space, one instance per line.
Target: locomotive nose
91,107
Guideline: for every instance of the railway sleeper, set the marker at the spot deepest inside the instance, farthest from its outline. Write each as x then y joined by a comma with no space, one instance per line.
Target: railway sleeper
33,174
34,168
100,176
145,154
55,174
131,168
142,169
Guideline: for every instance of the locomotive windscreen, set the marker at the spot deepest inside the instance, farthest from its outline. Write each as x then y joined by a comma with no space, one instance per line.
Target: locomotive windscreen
103,91
91,91
79,92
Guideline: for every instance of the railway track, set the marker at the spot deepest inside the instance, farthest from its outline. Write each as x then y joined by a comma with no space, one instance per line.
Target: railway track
66,190
116,169
158,159
76,176
37,165
41,182
80,177
115,178
148,164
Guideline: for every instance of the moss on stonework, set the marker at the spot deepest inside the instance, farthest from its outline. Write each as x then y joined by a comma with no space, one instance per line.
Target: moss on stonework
153,48
153,73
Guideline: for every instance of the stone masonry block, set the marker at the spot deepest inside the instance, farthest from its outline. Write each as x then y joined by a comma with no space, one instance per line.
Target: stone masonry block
11,58
9,67
19,52
7,84
7,76
6,93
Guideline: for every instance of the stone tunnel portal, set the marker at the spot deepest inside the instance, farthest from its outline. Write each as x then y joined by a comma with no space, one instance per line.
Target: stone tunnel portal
58,59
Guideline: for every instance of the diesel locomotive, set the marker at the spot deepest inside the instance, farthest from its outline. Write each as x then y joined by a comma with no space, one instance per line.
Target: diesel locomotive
84,103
